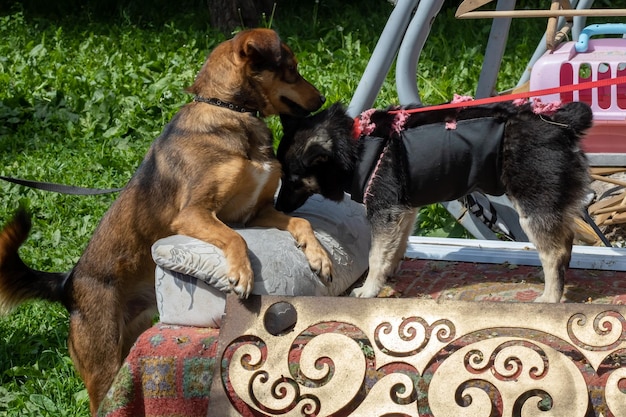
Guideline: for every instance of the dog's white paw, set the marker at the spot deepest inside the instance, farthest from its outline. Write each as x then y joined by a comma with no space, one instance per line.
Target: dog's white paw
545,298
241,280
551,294
364,292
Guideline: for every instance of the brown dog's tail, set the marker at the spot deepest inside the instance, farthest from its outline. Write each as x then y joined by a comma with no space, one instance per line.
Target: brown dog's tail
18,282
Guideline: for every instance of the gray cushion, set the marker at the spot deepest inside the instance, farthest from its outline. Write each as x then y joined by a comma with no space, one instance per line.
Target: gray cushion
191,274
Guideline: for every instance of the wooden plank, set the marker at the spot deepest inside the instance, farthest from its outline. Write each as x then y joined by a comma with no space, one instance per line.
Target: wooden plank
493,14
470,5
606,170
586,233
609,180
611,209
605,202
602,219
618,218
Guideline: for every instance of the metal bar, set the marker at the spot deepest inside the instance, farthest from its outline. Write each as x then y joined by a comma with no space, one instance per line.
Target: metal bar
382,57
411,48
494,52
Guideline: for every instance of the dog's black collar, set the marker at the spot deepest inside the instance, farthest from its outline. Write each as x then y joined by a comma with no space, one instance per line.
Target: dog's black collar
225,104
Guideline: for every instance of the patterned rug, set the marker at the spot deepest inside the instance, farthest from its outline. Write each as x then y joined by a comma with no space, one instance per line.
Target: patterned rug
167,373
500,282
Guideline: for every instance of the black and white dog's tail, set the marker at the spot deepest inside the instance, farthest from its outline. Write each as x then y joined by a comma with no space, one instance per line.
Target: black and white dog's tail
576,115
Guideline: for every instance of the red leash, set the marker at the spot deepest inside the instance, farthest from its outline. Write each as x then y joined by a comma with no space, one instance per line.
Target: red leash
528,94
357,129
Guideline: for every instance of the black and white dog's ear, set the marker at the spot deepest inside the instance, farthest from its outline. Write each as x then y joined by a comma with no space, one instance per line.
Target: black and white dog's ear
313,158
338,120
290,124
319,149
337,109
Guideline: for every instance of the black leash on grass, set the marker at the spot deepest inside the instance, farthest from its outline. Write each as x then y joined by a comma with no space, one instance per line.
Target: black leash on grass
74,190
60,188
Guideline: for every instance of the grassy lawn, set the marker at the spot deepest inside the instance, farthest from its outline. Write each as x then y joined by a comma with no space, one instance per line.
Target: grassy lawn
82,97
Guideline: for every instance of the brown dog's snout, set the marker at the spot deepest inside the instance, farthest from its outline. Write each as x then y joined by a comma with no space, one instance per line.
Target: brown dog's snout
315,98
317,104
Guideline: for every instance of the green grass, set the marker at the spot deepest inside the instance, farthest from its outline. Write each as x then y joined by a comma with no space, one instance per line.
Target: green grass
82,97
38,377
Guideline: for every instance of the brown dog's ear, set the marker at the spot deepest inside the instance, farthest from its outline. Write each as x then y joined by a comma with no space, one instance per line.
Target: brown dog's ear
261,47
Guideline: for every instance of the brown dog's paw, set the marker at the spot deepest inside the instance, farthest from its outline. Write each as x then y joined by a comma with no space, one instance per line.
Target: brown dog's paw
241,279
319,261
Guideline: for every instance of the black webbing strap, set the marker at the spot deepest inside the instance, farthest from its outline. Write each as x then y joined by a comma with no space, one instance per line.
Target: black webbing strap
59,188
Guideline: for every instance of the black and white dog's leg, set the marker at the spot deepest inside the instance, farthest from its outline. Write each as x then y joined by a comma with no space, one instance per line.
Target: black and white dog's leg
553,236
391,229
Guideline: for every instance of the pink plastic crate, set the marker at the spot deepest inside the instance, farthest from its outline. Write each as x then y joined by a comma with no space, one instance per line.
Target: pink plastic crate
603,59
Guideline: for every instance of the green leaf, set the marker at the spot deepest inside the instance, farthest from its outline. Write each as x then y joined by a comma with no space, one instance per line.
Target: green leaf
37,51
43,402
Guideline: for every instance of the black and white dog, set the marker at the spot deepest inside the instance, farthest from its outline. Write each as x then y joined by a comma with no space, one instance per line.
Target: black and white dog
395,161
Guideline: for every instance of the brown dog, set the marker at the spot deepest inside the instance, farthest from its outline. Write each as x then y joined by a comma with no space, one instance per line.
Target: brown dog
213,164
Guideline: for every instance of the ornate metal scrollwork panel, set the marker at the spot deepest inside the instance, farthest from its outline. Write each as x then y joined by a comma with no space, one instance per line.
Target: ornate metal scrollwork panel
325,356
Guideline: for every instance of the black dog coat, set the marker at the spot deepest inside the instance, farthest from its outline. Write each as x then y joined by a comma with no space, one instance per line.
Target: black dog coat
443,164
